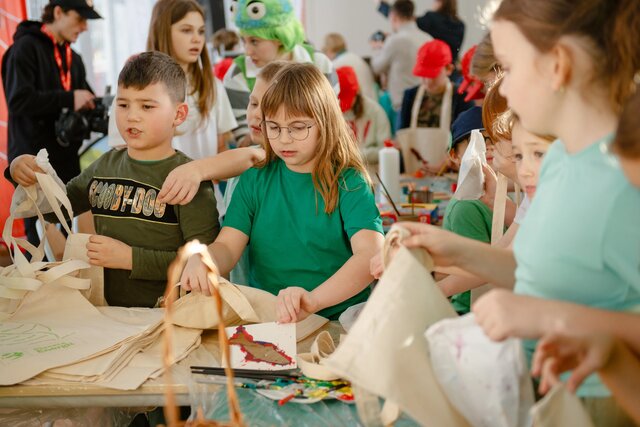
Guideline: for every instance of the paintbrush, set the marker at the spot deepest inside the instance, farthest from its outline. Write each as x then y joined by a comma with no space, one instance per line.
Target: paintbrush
386,193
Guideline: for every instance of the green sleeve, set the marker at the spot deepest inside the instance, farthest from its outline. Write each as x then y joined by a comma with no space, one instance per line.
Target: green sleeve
198,220
243,204
468,219
78,194
357,204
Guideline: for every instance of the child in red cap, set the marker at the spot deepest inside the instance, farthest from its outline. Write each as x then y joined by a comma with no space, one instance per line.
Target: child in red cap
365,117
434,66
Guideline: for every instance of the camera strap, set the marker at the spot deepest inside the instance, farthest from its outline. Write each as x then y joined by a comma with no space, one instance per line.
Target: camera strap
65,78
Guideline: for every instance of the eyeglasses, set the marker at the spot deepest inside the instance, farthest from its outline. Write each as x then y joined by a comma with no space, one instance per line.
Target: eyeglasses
297,130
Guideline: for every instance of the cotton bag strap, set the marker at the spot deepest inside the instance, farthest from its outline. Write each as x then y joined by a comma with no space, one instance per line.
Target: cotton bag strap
445,110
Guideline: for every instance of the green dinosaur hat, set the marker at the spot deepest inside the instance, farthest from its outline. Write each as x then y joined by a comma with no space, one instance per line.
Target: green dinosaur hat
269,20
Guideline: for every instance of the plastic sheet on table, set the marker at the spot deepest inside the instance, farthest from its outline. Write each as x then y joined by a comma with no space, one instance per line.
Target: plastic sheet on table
259,411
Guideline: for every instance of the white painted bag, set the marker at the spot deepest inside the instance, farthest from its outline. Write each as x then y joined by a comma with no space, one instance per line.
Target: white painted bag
488,382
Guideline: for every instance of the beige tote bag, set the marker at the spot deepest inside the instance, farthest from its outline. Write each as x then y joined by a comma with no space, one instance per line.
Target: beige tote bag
559,408
431,143
22,277
385,352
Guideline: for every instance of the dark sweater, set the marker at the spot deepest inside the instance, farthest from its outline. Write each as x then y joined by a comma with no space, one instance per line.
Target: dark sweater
35,97
458,105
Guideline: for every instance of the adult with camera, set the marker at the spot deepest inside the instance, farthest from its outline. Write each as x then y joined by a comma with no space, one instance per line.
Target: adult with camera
42,76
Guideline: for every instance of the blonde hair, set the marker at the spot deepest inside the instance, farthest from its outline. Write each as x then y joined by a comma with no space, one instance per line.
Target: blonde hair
302,90
165,14
334,42
505,123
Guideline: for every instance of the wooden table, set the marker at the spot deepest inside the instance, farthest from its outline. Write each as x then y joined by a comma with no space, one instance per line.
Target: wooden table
150,394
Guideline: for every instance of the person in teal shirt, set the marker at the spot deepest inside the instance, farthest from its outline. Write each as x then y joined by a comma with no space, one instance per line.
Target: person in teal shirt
578,249
307,212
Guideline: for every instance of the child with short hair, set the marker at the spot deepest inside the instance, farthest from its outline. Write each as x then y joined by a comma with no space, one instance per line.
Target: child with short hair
433,66
307,212
138,235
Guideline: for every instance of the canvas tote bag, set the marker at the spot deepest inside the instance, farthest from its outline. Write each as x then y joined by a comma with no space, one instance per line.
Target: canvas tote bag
560,408
22,277
431,143
385,353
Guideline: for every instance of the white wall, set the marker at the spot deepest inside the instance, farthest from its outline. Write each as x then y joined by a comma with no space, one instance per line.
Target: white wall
356,20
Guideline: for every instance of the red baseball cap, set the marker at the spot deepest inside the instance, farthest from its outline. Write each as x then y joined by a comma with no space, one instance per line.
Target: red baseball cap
349,87
432,57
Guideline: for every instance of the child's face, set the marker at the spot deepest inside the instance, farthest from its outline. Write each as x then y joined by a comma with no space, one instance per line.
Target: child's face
254,113
261,51
457,152
503,160
146,119
528,151
438,84
187,38
526,77
298,152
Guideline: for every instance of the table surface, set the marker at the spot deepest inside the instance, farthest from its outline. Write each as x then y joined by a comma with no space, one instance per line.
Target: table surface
150,394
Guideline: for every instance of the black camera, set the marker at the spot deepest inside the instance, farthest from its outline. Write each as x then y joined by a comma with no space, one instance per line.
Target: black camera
73,127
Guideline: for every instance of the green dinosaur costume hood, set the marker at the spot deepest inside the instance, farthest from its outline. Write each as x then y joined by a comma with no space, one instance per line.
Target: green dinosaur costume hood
269,20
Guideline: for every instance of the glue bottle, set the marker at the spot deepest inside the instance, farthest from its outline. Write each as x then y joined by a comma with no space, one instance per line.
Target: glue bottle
389,167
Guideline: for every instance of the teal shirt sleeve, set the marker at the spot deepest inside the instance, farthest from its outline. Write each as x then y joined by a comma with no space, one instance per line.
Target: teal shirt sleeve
357,204
198,220
621,242
243,204
467,219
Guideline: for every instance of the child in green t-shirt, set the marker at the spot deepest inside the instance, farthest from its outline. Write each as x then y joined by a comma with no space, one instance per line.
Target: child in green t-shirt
307,213
468,218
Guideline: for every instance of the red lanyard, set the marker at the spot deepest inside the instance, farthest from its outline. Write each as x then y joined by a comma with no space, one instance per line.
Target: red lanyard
65,78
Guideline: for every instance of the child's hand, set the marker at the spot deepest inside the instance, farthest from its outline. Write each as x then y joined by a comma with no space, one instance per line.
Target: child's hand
503,314
295,304
583,356
194,276
444,247
23,170
181,185
110,253
376,265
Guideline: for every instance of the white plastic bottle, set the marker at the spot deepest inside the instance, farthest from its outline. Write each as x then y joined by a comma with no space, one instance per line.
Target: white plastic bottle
389,171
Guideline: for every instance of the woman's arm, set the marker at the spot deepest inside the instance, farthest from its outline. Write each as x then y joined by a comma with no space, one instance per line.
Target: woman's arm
294,303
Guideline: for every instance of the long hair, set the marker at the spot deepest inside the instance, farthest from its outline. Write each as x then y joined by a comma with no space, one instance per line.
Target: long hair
302,90
610,29
165,14
627,141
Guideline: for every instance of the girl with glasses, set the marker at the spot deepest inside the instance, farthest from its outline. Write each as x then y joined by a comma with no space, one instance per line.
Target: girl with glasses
307,212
